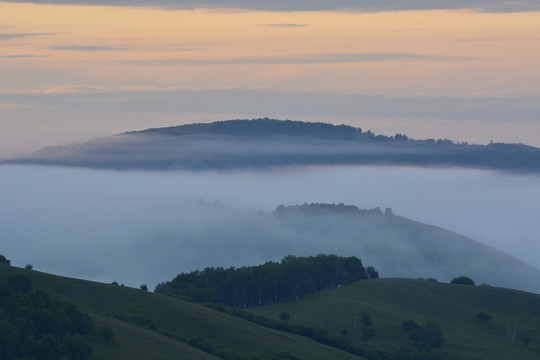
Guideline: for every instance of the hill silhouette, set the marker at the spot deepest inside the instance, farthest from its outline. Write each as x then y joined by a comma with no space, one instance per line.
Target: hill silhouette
263,143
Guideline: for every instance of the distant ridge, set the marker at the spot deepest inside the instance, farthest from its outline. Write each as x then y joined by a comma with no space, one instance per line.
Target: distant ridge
269,143
262,127
400,247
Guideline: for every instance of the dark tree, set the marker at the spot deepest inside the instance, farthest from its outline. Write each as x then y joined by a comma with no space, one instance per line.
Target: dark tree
365,319
144,287
35,326
28,266
527,340
428,336
107,334
76,348
372,273
462,280
409,325
81,323
483,317
284,316
4,261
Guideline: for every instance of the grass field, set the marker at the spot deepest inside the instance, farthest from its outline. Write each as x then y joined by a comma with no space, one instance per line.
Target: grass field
172,319
453,307
154,326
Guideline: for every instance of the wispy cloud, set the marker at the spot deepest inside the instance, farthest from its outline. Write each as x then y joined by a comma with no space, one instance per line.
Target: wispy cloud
292,103
22,56
283,25
310,5
9,36
337,58
84,48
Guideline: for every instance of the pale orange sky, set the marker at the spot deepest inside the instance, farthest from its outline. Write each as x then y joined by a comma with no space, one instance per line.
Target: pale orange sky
90,49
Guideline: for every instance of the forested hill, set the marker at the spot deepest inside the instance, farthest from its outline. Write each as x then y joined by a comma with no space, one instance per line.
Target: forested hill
257,128
265,143
291,279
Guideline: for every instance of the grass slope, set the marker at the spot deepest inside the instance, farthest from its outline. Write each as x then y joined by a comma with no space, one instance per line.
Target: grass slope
453,307
172,317
389,302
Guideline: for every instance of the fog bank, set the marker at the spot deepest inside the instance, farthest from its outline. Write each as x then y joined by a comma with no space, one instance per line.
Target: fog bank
136,227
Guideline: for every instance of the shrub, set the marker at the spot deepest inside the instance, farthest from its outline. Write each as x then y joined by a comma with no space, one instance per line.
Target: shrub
462,280
483,317
428,336
76,348
284,316
28,266
409,325
365,319
107,334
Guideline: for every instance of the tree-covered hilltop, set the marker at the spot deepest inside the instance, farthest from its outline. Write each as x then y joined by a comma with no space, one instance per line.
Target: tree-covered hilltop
263,127
264,143
324,209
291,279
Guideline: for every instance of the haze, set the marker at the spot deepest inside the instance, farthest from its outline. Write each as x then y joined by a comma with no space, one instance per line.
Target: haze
136,228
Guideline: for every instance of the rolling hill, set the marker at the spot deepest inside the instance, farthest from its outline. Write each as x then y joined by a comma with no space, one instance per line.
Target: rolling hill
149,325
264,143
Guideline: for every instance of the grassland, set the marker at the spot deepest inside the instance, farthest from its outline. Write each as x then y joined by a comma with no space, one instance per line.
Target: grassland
174,322
154,326
453,307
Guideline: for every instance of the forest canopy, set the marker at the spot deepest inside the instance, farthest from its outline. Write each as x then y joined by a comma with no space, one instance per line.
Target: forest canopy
291,279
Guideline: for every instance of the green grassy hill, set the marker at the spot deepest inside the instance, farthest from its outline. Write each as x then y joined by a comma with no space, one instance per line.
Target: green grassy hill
154,326
453,307
150,326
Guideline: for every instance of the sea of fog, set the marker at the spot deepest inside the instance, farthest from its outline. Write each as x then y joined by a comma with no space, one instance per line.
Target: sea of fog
143,228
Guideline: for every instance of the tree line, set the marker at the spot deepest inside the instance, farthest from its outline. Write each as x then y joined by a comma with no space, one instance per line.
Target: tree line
291,279
324,209
35,326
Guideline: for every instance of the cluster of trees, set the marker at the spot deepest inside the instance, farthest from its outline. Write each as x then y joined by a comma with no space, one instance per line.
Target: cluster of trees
291,279
426,336
4,261
462,280
323,208
34,326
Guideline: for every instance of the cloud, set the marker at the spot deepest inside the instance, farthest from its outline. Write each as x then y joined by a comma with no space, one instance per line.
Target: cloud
325,58
312,5
10,36
84,48
22,56
293,103
284,25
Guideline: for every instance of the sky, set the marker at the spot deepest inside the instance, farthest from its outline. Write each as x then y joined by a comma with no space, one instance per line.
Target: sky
73,70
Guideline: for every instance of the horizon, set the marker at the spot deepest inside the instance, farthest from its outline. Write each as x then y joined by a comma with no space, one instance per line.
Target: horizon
73,71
